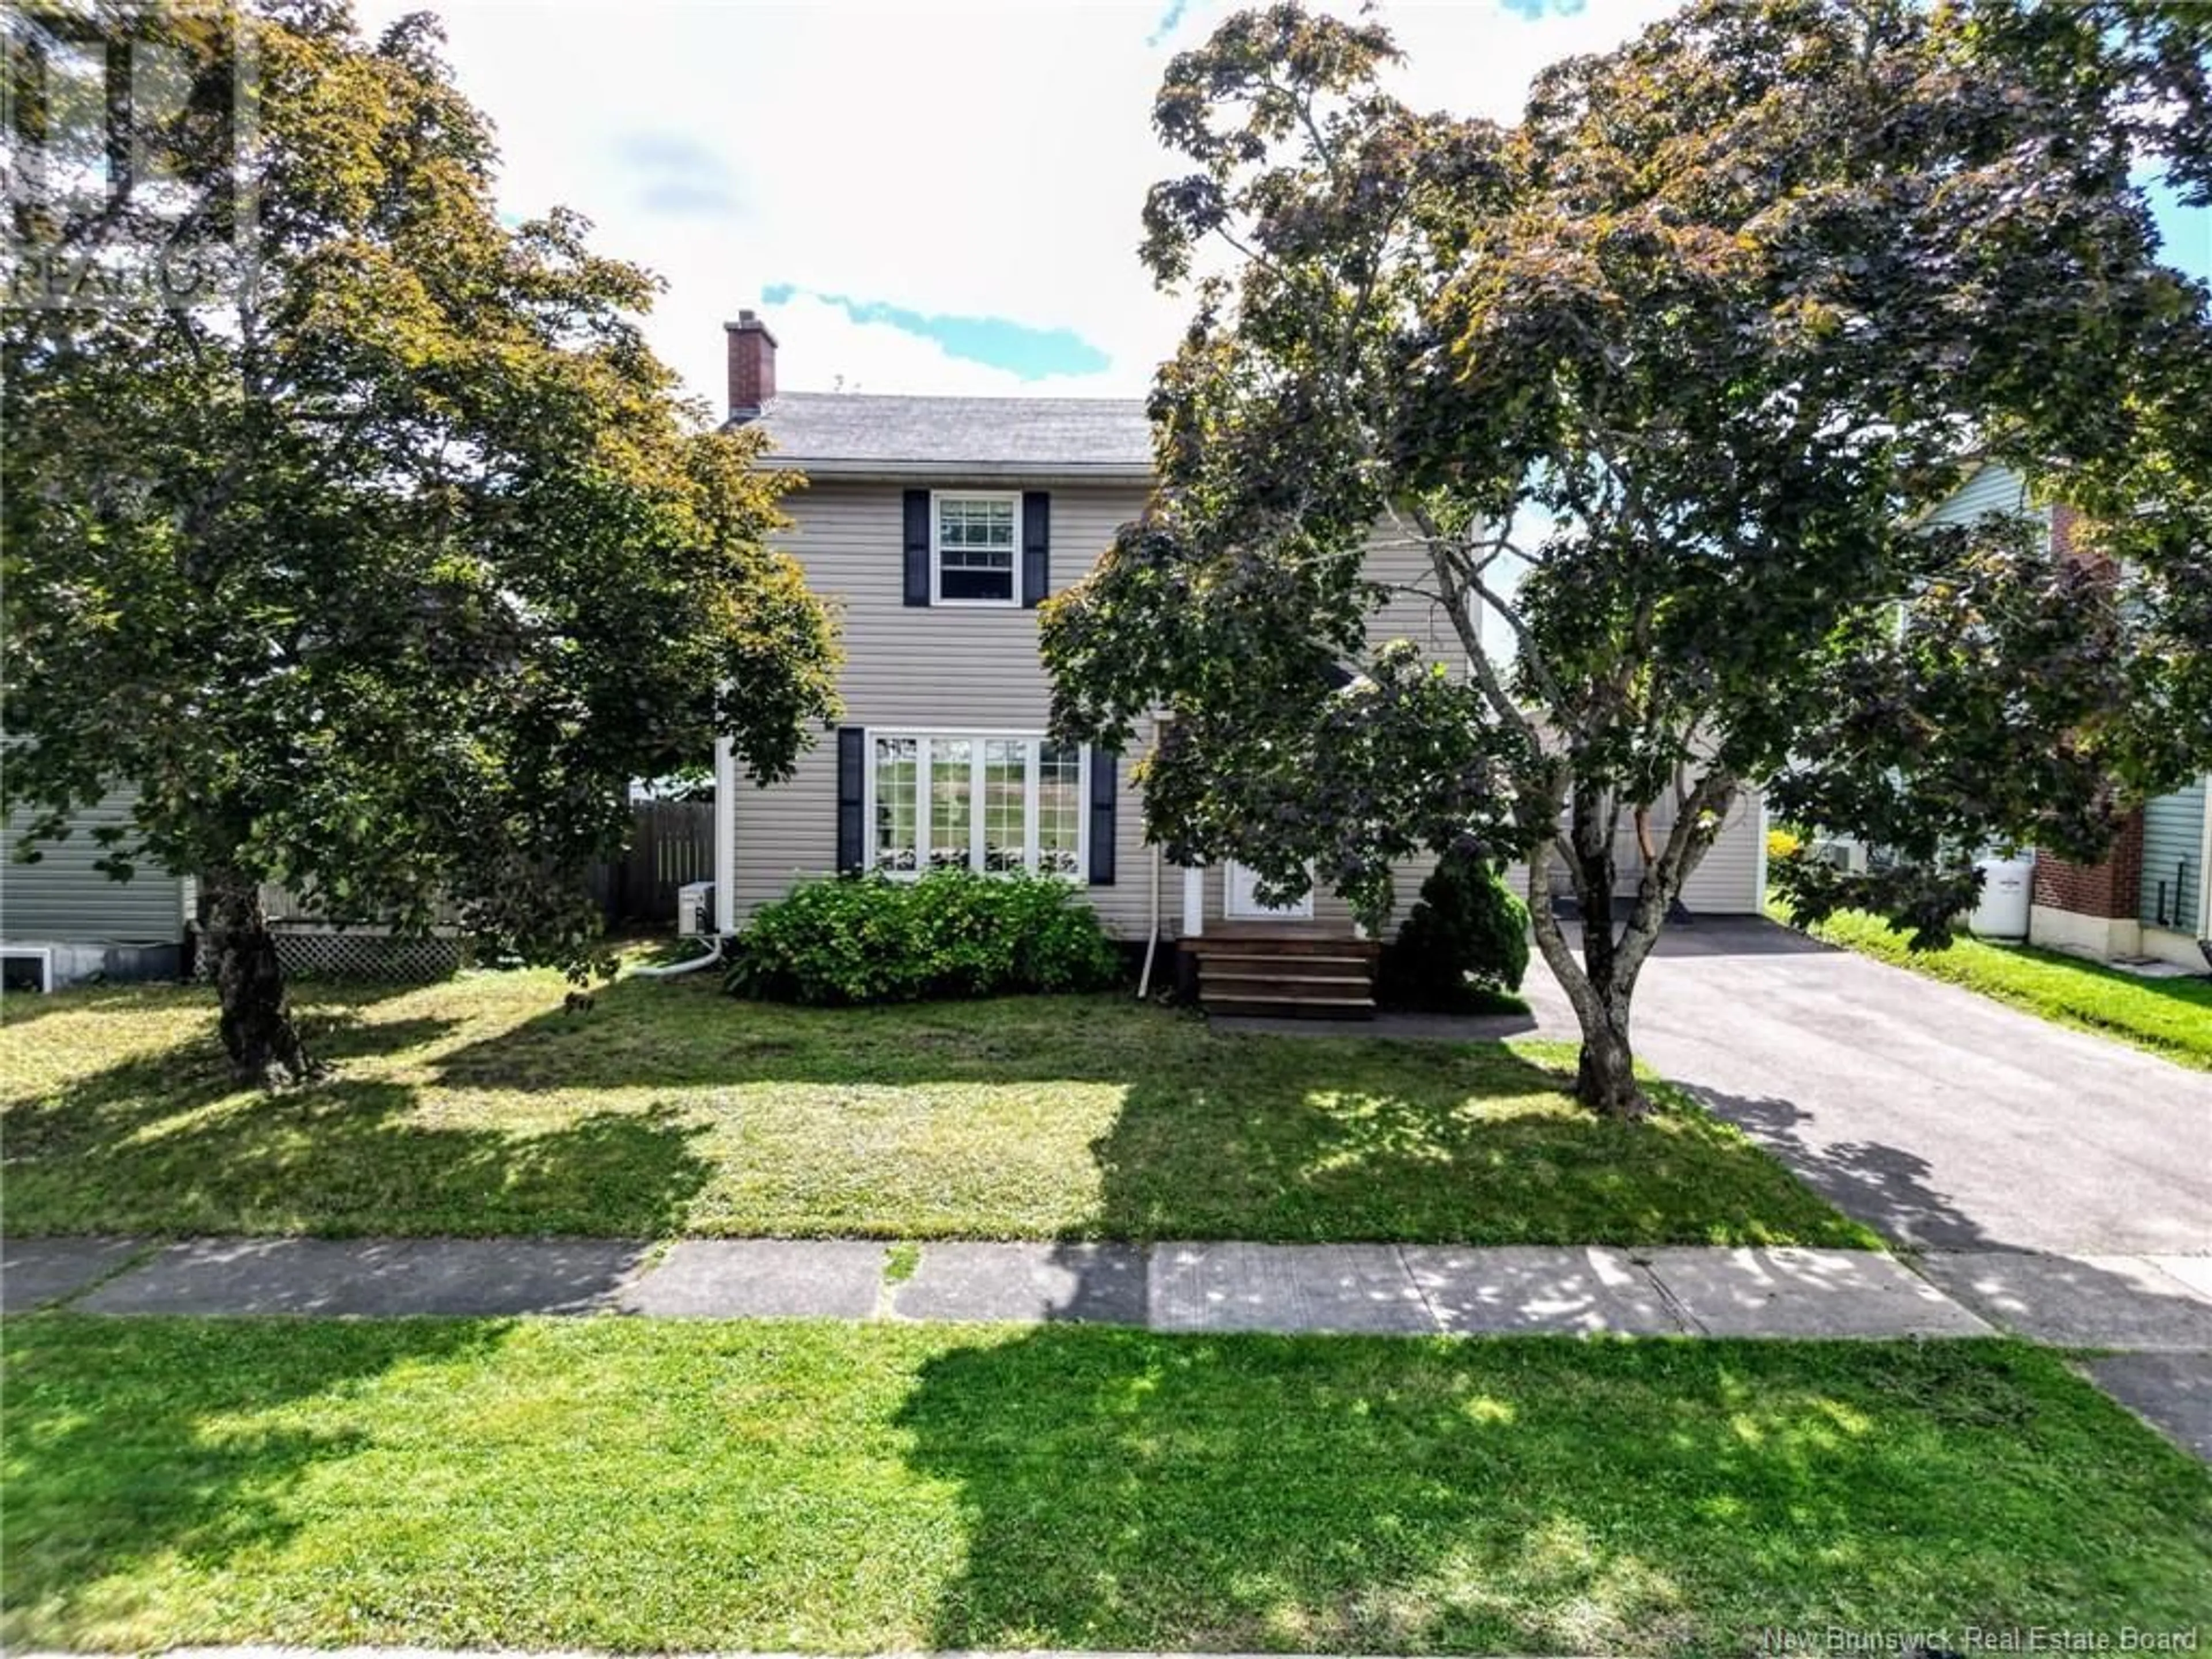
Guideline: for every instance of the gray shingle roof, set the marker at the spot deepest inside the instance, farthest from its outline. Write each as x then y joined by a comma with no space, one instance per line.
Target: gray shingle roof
852,433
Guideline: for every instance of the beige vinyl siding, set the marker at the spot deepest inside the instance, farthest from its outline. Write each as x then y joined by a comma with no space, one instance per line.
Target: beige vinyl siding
62,898
926,668
1411,611
953,668
1726,881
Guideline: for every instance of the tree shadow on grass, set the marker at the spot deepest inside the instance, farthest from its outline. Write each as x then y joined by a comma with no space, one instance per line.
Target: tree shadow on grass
314,997
165,1142
1097,1117
1076,1117
1433,1144
130,1441
1136,1491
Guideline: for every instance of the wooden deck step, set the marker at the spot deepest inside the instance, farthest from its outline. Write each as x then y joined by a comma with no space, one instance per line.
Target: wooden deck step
1280,945
1284,973
1211,986
1301,967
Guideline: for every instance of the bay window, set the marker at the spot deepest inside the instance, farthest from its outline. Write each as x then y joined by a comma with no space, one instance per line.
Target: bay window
991,802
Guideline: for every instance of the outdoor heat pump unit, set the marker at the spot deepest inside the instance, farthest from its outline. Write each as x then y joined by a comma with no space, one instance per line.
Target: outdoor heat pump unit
694,909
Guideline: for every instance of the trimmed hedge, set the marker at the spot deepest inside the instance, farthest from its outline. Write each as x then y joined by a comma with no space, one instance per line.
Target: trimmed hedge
950,934
1464,942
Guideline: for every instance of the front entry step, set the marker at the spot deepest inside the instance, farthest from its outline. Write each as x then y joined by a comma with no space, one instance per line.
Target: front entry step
1290,975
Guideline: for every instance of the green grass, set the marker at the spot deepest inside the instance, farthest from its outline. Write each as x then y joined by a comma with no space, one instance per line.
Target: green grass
671,1484
479,1108
2169,1017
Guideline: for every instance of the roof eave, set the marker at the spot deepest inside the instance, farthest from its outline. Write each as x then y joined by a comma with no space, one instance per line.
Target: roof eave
975,471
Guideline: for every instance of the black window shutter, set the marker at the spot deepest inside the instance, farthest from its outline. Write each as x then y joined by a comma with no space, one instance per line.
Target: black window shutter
1103,770
917,547
1037,546
852,783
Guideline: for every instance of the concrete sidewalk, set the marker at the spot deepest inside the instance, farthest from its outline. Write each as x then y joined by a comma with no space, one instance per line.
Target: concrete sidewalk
1376,1289
2153,1314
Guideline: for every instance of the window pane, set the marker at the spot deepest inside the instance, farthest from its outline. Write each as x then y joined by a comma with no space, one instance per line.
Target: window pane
956,583
1059,809
977,558
1005,781
895,804
951,785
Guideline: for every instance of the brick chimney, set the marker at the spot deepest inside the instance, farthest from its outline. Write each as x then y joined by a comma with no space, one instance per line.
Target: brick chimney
752,366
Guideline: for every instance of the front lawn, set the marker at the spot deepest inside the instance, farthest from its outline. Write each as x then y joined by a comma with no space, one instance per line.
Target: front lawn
477,1107
2169,1017
638,1484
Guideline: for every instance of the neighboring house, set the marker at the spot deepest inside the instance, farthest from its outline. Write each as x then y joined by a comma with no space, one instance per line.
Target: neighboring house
62,921
2149,896
938,524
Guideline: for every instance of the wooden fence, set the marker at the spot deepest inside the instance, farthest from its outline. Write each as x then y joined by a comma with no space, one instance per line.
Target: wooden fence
671,844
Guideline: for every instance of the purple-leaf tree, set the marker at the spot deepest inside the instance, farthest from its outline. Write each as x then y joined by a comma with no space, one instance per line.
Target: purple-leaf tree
1657,384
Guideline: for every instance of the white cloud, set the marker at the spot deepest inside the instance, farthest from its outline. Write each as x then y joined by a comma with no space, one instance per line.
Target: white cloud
975,160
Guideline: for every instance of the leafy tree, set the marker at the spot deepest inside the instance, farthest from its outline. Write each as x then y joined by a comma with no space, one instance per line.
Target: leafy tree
1688,351
382,566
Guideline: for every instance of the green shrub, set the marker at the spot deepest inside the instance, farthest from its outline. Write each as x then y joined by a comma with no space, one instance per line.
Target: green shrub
952,933
1466,941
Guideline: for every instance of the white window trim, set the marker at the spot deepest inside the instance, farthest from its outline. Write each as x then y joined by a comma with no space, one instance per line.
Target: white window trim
936,559
1079,877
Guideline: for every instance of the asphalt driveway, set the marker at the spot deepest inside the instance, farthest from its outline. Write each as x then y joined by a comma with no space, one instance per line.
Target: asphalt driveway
1944,1120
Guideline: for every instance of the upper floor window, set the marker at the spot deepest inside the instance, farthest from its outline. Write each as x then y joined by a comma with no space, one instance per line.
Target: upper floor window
974,545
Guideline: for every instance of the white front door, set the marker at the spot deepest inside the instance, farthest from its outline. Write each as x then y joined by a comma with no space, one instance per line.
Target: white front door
1241,902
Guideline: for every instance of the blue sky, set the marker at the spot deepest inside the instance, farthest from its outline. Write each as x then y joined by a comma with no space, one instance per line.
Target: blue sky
920,197
1033,354
2186,232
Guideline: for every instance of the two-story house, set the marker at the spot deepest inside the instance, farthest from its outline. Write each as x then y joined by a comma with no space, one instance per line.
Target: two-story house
938,524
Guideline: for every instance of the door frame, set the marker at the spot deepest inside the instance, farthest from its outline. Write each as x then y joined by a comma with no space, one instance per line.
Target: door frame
1303,912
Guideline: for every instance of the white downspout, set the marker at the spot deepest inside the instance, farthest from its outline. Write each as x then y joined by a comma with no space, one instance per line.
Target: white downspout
1759,878
1152,933
725,838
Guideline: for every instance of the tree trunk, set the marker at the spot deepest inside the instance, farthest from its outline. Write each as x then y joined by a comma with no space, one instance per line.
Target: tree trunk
1605,1078
257,1031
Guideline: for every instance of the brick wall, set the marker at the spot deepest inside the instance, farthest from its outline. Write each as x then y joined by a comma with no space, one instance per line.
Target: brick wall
2062,518
2111,889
